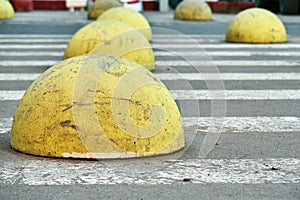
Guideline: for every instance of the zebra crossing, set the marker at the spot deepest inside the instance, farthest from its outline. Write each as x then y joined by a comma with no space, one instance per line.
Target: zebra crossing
262,91
56,17
15,51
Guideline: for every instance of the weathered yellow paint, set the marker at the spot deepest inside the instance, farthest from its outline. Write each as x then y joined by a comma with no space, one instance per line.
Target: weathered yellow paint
6,10
97,106
98,7
112,37
129,16
193,10
256,25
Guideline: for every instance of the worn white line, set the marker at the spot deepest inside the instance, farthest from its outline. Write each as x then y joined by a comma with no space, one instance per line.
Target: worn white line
32,53
194,39
33,46
70,35
171,54
33,63
164,46
199,171
265,63
228,53
171,63
9,36
229,124
227,76
10,95
5,124
245,124
18,76
187,41
32,41
226,46
65,40
181,76
236,94
182,36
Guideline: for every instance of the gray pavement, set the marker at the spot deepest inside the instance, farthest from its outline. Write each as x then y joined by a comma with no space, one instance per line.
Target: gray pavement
256,157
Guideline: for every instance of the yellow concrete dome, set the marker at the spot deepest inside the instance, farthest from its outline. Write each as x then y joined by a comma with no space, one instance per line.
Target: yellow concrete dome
98,7
256,25
131,17
97,106
112,37
6,10
193,10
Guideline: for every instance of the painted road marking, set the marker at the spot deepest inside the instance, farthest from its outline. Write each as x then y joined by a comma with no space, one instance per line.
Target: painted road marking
33,46
236,94
15,95
171,63
18,76
170,54
164,46
226,46
47,36
32,53
181,76
265,63
159,38
5,124
32,41
227,76
33,63
199,171
66,39
229,124
229,53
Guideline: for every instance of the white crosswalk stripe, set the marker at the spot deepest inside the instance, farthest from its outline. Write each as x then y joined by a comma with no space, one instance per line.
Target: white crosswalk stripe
202,95
200,171
231,54
226,46
171,63
171,54
166,46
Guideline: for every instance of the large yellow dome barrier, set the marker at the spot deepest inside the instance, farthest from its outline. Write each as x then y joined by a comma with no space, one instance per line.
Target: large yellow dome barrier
256,25
97,8
131,17
6,10
97,106
193,10
112,37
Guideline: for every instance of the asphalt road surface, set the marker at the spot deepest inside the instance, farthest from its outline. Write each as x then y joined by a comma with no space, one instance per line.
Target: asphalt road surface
252,92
